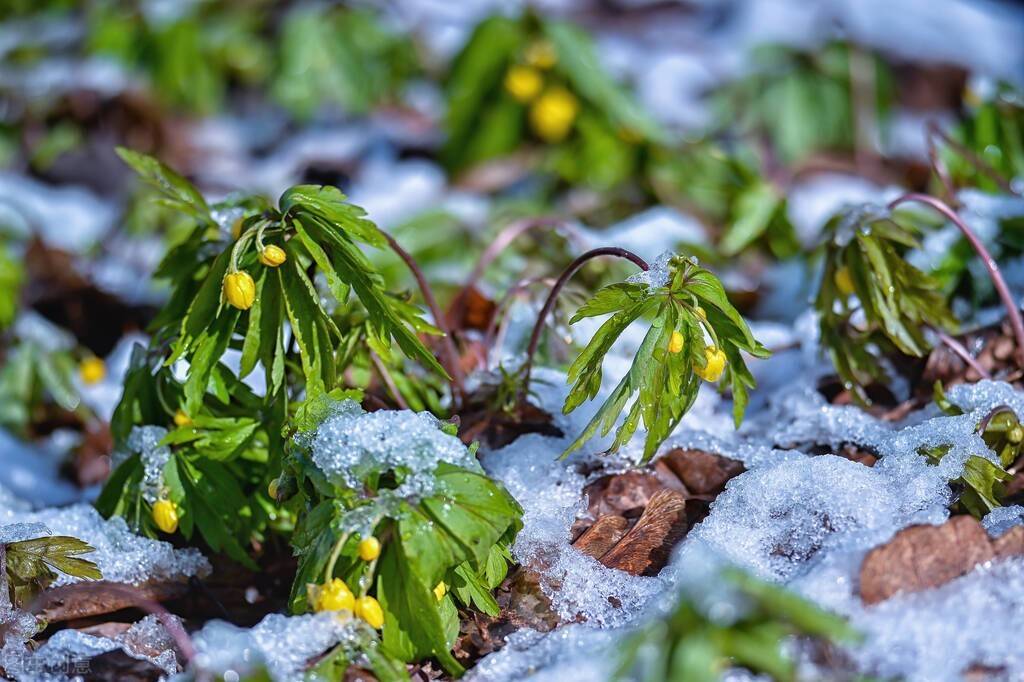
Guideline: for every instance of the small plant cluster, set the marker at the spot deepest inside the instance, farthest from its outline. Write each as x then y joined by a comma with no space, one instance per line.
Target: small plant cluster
205,452
695,335
689,643
530,79
425,536
871,301
29,566
982,486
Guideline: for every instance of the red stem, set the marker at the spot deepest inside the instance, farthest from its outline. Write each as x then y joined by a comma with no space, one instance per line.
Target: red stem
452,353
1012,310
569,271
958,349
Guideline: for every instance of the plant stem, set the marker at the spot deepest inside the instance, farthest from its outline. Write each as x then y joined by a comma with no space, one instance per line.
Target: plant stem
508,235
1012,309
979,163
958,349
569,271
450,351
389,382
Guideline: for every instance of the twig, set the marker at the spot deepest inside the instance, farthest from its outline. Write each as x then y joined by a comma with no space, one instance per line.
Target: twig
1012,310
569,271
962,353
389,382
509,235
452,353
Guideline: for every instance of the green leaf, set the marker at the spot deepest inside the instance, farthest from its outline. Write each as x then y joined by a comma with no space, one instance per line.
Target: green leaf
178,191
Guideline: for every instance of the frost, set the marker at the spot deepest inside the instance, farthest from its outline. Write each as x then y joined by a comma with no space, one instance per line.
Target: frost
351,444
16,532
1002,519
282,644
658,274
573,652
145,441
937,635
121,555
66,655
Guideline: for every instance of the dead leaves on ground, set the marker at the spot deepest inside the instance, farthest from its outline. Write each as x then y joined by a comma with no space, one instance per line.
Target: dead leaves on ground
923,557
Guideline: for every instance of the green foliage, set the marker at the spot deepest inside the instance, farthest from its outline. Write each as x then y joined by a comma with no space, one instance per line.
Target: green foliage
32,564
226,440
982,485
691,303
688,644
804,102
11,277
340,56
603,146
457,534
994,131
725,186
31,377
871,301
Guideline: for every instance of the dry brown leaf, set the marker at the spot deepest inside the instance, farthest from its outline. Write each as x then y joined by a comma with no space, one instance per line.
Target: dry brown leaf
645,549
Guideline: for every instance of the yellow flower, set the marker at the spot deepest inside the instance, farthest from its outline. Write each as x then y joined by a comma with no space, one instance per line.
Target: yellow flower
844,281
553,114
439,590
92,370
541,54
675,344
239,289
333,596
272,256
712,371
369,548
165,516
369,610
272,489
182,419
523,83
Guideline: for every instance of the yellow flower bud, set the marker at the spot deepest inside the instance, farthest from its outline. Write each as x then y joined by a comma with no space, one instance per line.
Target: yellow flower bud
712,371
675,344
369,610
333,596
272,489
440,590
844,281
272,256
541,54
1015,435
182,419
369,548
701,313
165,516
92,370
524,83
239,289
553,114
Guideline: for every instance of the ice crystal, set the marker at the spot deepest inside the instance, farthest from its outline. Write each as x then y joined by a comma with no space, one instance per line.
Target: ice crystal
145,441
121,555
282,644
352,444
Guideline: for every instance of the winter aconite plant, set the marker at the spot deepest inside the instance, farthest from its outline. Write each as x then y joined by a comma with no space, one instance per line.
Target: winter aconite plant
695,335
403,527
266,284
871,301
